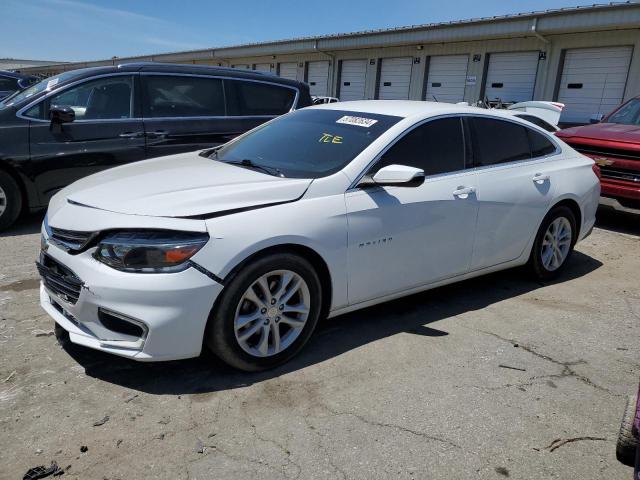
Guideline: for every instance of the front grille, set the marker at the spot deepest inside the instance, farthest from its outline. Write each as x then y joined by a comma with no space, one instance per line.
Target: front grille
620,174
59,279
593,151
71,239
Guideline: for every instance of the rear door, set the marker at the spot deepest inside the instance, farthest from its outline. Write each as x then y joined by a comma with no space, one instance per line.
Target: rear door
184,113
515,186
107,131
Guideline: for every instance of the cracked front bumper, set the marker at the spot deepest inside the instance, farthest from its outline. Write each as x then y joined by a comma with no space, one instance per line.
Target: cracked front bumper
171,309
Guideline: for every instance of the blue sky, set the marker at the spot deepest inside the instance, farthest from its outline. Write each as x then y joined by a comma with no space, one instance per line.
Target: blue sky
91,30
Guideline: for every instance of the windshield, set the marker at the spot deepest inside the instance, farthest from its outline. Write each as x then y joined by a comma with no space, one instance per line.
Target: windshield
46,84
628,114
308,143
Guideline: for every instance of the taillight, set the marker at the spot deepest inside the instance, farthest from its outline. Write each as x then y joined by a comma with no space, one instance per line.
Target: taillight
596,170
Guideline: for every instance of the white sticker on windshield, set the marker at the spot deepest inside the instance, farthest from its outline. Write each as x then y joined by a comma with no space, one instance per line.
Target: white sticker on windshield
52,83
357,121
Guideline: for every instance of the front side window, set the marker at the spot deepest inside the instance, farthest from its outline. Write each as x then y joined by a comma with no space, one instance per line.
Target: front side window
628,114
182,96
257,98
499,141
307,143
102,99
435,147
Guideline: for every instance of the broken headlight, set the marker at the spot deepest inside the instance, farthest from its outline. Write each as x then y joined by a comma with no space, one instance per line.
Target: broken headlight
149,251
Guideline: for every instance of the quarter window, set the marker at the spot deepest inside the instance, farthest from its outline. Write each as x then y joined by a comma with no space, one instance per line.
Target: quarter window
106,98
499,141
257,98
540,145
436,147
182,96
539,122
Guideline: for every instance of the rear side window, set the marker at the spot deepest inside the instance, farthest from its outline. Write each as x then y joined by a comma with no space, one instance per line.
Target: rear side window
435,147
182,96
540,145
257,98
8,84
499,141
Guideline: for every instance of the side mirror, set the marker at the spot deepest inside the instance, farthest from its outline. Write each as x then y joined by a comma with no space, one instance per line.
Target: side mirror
60,114
596,118
398,175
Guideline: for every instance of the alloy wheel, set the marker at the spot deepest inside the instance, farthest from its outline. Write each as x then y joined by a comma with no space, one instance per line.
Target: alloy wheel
556,243
3,201
272,313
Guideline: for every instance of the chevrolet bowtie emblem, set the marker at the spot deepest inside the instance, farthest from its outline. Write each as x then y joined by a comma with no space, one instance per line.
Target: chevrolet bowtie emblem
602,161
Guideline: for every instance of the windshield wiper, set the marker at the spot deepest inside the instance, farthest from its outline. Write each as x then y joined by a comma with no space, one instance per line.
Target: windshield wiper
250,164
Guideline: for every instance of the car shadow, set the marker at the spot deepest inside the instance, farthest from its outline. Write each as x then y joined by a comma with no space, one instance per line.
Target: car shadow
25,225
620,222
415,314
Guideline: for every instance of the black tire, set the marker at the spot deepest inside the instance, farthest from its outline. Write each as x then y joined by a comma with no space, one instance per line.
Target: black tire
13,205
627,442
535,263
220,335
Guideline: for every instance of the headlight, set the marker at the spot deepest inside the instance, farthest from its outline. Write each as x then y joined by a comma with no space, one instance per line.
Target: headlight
149,251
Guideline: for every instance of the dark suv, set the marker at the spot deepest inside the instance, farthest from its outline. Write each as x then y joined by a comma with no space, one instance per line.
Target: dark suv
70,126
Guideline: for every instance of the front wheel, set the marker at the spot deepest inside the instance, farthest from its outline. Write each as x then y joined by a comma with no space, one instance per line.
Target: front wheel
266,314
554,243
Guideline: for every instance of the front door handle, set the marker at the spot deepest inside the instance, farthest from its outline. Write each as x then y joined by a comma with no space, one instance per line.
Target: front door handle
540,177
463,192
131,135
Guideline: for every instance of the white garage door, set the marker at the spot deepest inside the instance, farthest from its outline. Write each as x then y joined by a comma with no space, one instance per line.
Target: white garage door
353,76
242,66
289,70
593,81
446,78
318,78
263,67
395,77
511,77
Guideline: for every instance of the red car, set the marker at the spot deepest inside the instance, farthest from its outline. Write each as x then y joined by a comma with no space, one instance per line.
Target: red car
614,144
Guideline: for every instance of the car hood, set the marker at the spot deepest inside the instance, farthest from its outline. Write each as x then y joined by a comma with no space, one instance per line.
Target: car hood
185,185
611,132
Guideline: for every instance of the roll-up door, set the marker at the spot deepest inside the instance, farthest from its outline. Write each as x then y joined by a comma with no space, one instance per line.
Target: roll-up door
395,78
593,81
353,76
447,78
318,78
511,77
242,66
289,70
263,67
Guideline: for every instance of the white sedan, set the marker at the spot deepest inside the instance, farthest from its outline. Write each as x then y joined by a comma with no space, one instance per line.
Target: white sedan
243,248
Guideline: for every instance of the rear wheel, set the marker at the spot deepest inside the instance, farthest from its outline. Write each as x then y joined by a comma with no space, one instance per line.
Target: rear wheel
627,443
10,200
554,243
266,314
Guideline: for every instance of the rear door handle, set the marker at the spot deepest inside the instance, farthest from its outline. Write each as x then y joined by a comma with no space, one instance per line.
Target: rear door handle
131,135
540,177
463,192
157,134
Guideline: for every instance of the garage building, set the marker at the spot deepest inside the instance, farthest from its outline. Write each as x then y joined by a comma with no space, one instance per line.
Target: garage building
585,57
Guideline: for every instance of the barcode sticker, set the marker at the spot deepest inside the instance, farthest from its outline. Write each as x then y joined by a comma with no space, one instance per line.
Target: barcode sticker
357,121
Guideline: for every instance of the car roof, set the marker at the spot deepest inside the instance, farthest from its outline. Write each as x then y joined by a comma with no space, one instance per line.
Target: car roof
411,108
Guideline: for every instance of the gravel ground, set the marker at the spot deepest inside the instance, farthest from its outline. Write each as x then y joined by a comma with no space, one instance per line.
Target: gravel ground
491,378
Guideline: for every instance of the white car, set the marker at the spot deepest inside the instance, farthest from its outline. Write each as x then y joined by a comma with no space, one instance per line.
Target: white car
325,210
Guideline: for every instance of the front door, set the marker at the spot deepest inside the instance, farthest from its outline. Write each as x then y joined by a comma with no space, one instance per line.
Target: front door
105,133
403,237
